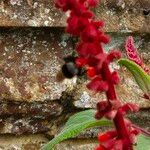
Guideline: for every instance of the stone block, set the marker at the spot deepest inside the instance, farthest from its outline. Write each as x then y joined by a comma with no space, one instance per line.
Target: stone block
120,16
29,62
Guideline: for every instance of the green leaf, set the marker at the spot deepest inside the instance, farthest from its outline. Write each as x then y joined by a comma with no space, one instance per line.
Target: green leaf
75,125
143,143
142,79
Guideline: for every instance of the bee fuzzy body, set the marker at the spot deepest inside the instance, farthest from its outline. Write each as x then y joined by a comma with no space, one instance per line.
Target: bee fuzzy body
69,69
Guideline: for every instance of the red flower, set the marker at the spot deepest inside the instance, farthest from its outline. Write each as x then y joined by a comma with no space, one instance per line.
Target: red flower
98,24
133,55
104,39
132,51
98,85
115,54
115,78
93,57
91,3
111,141
91,72
128,107
86,48
80,62
108,110
72,27
107,136
90,34
65,4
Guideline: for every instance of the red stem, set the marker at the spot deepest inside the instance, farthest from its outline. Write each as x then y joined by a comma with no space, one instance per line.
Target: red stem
119,118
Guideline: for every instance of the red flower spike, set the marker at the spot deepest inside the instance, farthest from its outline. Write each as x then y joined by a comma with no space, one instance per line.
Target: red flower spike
98,24
82,22
118,145
115,78
115,104
77,23
111,114
87,14
92,62
89,34
101,58
98,85
103,86
105,109
91,72
100,148
98,115
86,49
92,3
79,9
129,107
131,51
104,39
65,5
102,106
135,131
72,27
113,144
133,55
60,3
107,136
115,54
91,54
82,1
80,62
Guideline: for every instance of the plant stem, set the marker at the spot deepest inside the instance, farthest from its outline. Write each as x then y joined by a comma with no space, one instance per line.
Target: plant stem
119,118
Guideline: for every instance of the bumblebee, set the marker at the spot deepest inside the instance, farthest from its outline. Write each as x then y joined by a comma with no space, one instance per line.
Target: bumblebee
69,69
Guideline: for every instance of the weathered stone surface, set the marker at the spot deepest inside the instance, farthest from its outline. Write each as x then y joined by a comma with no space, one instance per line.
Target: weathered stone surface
28,125
52,126
33,110
124,15
32,142
141,119
30,13
29,62
35,142
78,145
31,58
128,90
24,126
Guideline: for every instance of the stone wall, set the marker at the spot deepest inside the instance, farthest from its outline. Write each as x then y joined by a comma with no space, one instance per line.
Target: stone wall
34,105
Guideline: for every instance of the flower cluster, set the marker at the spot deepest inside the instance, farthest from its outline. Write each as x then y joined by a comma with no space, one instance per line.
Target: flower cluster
92,56
133,55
